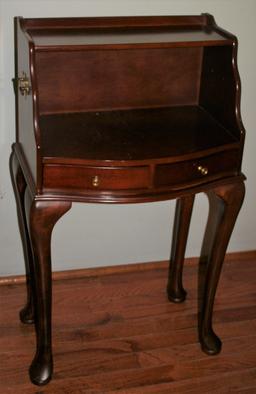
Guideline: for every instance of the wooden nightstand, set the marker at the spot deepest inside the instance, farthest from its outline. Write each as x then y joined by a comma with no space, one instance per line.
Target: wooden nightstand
125,110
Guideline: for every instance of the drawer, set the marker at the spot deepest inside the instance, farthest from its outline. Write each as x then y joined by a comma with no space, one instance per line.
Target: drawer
69,177
195,171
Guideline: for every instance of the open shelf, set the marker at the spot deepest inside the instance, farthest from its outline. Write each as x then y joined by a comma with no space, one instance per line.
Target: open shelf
137,134
104,32
49,39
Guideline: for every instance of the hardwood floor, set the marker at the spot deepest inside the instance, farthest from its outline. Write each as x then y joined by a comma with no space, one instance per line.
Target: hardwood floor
116,332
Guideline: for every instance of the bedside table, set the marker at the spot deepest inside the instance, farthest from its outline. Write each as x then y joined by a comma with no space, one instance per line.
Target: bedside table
125,110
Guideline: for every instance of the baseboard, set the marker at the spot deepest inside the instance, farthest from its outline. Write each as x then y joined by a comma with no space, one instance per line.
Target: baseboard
117,269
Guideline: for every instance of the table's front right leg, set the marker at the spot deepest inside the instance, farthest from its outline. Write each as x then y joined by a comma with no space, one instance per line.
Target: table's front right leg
224,205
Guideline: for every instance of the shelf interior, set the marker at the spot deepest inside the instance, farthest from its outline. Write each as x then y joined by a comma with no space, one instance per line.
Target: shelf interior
137,134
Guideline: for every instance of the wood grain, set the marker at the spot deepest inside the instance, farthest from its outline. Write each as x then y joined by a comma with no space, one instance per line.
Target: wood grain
128,100
118,333
133,76
130,135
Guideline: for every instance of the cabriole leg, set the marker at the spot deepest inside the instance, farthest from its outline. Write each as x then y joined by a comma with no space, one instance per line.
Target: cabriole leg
224,205
184,207
42,218
19,187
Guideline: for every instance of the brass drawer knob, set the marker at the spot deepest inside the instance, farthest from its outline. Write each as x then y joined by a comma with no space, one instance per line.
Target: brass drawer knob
203,170
95,181
23,84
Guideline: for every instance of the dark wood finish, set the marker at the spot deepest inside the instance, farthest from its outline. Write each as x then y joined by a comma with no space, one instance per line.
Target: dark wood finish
64,38
19,187
42,218
218,165
119,334
176,22
26,125
87,87
183,212
125,110
183,78
225,203
81,178
217,70
164,134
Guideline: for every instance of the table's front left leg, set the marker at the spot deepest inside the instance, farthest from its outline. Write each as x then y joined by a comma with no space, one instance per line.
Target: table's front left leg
224,205
19,187
183,212
42,217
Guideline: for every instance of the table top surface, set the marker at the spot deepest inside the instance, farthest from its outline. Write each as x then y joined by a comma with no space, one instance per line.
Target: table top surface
111,36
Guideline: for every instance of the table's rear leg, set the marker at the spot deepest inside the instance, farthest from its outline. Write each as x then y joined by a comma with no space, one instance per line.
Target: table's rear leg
224,205
42,217
19,186
184,207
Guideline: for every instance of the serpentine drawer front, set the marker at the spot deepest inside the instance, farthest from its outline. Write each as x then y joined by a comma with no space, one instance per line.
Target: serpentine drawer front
97,178
197,170
125,110
172,175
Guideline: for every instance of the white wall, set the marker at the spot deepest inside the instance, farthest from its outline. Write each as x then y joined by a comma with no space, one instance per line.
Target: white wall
93,235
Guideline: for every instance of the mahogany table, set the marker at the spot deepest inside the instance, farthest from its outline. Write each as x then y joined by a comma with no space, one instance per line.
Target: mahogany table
125,110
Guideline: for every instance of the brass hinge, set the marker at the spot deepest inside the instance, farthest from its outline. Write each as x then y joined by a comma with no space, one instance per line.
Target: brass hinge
22,83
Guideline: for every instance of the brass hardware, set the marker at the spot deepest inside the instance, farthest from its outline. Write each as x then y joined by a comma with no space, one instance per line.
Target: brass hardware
95,181
203,170
23,84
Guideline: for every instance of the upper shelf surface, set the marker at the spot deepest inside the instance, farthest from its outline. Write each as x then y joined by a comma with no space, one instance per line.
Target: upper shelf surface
48,38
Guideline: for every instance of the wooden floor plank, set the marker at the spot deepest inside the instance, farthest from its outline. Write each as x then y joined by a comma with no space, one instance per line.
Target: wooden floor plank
117,333
224,383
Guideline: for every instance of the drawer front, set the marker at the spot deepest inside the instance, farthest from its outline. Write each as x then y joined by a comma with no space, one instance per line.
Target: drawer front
81,178
198,170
